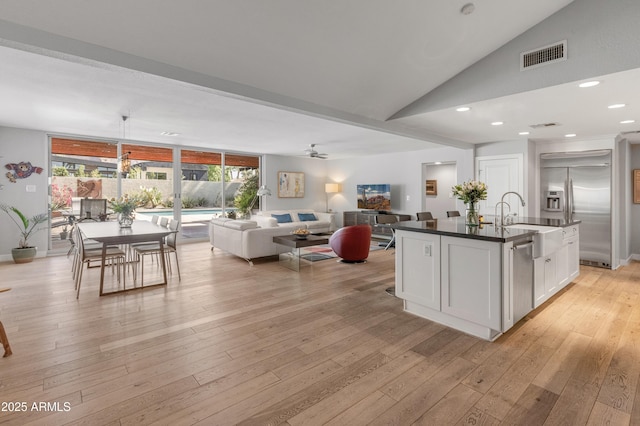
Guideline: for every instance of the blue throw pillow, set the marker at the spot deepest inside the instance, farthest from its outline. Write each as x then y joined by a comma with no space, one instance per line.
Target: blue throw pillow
306,217
282,218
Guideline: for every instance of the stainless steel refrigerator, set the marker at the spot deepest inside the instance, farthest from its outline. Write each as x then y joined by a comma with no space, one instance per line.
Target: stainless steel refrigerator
577,185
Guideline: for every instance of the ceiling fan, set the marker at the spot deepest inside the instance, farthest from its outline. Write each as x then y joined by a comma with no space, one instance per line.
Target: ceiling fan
311,152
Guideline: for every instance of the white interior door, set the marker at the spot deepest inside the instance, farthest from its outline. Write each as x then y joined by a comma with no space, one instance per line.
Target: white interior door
502,174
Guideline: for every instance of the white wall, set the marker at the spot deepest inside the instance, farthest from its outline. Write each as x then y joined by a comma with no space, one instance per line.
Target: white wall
17,145
446,177
520,146
402,170
315,176
602,38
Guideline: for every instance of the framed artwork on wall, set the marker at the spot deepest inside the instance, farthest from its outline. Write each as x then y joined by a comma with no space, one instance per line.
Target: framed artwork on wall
290,185
431,187
636,186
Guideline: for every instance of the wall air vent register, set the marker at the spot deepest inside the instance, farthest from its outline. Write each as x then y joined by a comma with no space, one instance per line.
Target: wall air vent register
544,55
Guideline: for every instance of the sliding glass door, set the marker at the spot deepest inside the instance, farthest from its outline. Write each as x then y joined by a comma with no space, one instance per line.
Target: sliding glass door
147,171
209,186
79,169
199,186
94,169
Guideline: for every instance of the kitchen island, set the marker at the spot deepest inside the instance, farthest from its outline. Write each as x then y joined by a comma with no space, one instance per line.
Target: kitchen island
482,280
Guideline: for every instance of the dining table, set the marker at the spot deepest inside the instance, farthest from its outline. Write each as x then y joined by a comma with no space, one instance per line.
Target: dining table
110,233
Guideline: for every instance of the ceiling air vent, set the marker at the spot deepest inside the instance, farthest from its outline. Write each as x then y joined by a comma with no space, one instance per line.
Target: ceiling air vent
543,56
543,125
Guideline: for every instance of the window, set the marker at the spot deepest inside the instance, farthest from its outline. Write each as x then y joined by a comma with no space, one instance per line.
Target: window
156,175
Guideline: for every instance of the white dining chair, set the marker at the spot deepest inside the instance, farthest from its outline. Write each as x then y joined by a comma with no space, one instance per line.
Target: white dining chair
169,247
114,255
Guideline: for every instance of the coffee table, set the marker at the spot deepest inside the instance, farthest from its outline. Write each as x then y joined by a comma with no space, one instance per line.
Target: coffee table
291,258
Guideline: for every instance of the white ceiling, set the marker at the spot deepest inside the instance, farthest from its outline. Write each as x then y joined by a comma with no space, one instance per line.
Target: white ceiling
70,98
580,111
273,77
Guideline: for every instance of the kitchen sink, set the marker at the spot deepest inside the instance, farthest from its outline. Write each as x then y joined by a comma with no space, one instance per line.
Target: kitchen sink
546,240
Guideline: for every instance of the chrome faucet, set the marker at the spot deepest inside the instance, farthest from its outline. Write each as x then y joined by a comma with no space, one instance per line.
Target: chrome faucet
502,203
495,210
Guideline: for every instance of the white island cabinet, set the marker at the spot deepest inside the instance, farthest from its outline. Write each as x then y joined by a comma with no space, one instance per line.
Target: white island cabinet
418,268
472,281
464,278
553,272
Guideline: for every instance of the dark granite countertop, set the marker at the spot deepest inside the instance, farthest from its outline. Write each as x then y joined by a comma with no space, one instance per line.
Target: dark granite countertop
455,227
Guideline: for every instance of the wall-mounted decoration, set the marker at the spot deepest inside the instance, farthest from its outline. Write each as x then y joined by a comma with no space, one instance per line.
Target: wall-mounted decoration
290,184
636,186
21,170
431,187
91,188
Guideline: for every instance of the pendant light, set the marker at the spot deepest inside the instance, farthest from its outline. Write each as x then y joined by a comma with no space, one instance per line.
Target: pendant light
124,160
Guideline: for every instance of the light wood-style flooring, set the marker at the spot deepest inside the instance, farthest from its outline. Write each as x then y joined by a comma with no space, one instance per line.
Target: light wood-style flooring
239,344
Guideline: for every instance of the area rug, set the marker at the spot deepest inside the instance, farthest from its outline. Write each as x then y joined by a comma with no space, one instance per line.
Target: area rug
324,252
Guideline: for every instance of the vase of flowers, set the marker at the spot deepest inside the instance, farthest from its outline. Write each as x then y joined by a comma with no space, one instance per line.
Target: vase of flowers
471,193
472,214
125,207
125,219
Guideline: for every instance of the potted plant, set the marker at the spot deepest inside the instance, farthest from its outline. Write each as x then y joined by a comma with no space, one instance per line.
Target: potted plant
24,253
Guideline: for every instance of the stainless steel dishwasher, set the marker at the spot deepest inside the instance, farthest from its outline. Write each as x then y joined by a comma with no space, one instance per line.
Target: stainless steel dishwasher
522,278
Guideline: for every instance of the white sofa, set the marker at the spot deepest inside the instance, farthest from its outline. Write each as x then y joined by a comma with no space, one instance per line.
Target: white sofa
248,239
325,222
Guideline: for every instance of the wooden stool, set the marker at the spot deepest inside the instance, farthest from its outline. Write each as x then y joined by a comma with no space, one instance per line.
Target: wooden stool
3,335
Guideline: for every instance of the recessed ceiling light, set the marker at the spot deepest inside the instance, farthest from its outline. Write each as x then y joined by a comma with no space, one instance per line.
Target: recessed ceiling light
570,135
523,133
438,162
169,134
589,84
463,109
627,121
614,106
497,123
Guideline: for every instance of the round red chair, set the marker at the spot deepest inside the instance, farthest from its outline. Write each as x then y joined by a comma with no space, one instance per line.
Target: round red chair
352,243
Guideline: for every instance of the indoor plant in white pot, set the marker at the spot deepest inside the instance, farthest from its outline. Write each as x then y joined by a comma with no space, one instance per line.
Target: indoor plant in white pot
24,253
